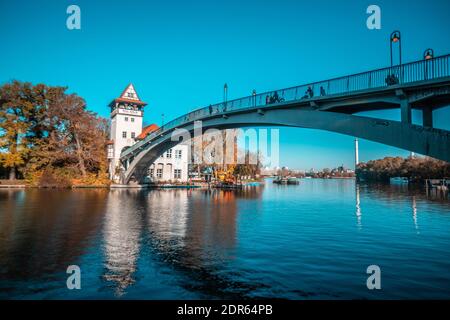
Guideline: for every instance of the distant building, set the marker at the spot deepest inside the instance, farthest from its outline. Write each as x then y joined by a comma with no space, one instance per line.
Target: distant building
127,114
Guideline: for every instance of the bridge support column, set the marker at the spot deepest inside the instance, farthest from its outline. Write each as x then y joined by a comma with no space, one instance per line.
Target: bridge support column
405,111
427,115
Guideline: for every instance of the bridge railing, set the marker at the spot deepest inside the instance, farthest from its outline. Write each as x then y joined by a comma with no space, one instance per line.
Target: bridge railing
421,70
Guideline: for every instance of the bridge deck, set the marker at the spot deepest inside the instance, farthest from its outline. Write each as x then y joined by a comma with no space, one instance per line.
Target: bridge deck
353,88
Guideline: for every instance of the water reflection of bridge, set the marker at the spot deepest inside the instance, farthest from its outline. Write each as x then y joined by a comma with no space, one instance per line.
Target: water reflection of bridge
193,233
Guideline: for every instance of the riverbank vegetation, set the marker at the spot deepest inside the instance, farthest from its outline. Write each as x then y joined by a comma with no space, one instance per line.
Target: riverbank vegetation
49,138
416,169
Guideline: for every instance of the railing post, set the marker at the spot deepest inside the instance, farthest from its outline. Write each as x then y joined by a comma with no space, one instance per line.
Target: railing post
401,80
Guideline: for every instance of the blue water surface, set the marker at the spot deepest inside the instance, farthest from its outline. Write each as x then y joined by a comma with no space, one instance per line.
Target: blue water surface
314,240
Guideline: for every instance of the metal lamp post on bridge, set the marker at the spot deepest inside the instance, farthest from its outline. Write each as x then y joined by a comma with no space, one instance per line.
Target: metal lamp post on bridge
427,55
225,96
225,92
395,37
427,113
392,79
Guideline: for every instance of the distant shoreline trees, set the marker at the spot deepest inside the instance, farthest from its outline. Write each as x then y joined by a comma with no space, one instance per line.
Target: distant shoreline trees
416,169
49,138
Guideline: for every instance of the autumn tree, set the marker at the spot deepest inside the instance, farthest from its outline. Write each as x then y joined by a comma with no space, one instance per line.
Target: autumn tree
415,169
75,138
22,108
44,129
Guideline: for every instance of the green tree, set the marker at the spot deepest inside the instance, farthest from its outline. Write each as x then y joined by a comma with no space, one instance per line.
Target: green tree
44,129
21,110
75,137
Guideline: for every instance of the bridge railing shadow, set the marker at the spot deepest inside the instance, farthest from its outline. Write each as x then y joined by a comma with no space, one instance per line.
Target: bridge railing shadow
416,71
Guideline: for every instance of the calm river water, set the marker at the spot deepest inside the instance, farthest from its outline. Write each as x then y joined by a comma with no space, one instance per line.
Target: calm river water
311,241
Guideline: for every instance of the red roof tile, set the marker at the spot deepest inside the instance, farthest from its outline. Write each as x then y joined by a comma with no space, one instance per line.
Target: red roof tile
146,131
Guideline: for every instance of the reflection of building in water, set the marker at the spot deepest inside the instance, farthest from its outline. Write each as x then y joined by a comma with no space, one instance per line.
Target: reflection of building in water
122,232
414,210
194,232
358,206
212,229
193,228
167,213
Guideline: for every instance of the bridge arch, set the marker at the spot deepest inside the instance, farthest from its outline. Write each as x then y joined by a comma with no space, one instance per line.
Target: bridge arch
422,140
423,85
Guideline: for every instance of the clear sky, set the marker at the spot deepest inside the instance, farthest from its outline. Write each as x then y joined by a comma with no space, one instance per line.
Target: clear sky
178,54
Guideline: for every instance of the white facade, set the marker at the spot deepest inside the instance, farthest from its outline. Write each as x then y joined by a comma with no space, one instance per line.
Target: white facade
124,129
127,114
172,165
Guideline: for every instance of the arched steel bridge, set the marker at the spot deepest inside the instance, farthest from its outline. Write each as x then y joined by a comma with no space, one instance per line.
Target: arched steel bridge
423,85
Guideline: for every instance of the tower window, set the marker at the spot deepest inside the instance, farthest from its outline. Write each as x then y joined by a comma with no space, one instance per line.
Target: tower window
133,135
132,119
126,118
110,151
178,154
124,134
169,153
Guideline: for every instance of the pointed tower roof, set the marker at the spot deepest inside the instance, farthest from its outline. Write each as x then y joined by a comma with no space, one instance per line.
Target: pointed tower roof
129,95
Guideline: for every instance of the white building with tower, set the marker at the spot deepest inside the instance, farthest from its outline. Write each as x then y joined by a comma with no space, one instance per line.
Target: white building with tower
127,113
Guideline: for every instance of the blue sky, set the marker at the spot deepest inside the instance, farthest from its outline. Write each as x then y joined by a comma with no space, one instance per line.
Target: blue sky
178,54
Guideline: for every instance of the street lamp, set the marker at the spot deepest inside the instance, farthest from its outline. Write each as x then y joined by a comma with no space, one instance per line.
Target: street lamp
254,97
428,54
396,37
225,92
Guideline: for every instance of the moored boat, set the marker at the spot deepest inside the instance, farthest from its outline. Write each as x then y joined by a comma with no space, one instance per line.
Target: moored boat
293,180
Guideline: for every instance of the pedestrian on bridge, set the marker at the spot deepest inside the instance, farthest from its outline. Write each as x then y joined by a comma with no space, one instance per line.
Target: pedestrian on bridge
275,97
310,92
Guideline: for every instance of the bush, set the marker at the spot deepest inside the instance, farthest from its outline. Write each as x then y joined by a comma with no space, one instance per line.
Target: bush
415,169
51,179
